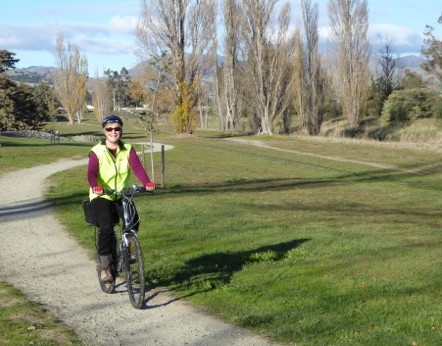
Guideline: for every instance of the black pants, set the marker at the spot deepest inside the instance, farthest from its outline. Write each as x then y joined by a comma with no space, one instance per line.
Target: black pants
107,213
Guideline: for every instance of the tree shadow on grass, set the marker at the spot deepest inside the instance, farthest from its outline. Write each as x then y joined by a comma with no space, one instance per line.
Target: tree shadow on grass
208,271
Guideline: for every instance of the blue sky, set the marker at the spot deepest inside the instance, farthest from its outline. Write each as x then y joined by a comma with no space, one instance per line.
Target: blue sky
103,30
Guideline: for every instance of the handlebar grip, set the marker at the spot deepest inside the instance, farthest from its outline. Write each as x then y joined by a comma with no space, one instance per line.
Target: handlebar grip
140,188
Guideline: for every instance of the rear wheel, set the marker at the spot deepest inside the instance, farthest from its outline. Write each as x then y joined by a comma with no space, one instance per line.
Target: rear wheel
133,259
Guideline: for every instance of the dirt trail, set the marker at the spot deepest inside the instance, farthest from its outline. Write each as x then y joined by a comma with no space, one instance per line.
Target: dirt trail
261,144
39,257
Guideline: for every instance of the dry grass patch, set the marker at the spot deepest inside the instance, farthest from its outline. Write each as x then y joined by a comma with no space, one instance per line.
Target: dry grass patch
26,323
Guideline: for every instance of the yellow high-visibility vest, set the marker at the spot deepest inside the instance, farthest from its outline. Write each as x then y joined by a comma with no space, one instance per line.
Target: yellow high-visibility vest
114,172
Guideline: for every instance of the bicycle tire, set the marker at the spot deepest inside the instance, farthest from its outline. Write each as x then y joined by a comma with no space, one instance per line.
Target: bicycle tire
134,265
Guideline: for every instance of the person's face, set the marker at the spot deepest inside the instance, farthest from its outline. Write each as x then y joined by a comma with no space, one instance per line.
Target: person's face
113,132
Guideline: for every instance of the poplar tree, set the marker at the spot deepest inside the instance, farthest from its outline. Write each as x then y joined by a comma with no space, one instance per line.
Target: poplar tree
267,51
184,30
70,78
349,25
308,83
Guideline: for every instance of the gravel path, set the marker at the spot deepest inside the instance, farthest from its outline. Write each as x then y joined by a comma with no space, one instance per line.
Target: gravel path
39,257
262,144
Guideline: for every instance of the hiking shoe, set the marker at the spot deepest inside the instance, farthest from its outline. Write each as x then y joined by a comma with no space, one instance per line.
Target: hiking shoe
106,275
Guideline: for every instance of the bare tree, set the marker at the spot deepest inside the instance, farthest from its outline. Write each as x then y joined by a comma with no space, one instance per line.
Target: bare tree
386,79
70,78
184,29
218,84
152,89
432,52
300,93
136,89
308,83
266,71
101,97
231,22
349,25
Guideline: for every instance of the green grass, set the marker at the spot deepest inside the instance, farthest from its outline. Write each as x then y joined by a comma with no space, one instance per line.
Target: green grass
26,323
309,250
17,153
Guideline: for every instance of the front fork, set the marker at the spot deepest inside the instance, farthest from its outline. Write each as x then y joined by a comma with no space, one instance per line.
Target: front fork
126,233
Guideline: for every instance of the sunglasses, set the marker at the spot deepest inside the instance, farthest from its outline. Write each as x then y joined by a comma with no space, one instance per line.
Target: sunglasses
110,129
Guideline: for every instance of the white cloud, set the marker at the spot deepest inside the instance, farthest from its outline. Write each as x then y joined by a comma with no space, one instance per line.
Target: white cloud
88,38
28,37
403,40
122,24
102,44
399,35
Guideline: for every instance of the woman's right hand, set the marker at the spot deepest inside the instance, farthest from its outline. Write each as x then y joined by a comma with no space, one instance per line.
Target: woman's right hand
98,190
149,186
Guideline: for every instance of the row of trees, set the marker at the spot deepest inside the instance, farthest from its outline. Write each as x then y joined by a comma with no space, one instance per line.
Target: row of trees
268,73
109,93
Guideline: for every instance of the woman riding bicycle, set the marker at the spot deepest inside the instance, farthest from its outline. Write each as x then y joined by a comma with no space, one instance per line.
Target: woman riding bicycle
110,165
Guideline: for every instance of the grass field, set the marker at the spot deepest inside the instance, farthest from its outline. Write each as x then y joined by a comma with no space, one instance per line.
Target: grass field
311,242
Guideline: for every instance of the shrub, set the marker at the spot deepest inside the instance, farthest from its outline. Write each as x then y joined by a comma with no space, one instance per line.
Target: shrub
410,104
437,107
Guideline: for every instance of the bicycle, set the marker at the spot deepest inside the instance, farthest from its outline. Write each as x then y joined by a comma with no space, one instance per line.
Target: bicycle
126,256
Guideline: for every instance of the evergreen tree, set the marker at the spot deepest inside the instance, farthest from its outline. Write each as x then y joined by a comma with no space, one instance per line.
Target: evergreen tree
7,61
21,106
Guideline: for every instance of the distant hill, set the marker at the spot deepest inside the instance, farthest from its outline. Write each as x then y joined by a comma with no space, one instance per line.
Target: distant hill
37,74
32,74
409,61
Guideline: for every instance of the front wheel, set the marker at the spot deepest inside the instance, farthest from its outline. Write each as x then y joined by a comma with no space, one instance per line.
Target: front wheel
133,259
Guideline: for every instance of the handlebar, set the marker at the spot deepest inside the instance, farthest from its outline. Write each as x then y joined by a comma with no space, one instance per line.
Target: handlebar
129,191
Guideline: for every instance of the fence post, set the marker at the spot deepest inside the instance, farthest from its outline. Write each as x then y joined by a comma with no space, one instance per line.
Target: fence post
163,166
144,156
55,137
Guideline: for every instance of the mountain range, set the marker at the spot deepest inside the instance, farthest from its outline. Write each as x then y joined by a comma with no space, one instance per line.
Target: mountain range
36,74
